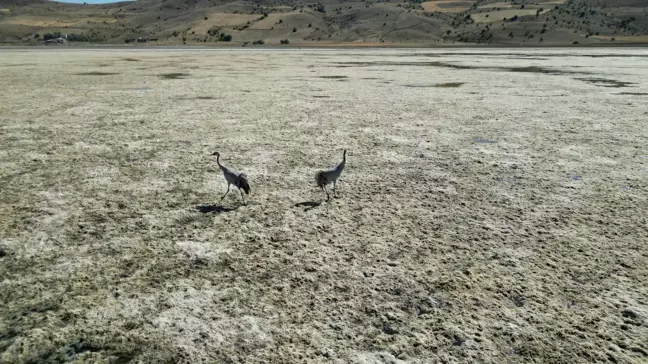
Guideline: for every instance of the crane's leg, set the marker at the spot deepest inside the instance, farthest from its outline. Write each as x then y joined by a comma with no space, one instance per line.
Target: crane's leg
328,197
243,197
334,189
228,188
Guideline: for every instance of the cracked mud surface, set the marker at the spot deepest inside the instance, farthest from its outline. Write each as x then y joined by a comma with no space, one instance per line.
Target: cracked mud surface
503,221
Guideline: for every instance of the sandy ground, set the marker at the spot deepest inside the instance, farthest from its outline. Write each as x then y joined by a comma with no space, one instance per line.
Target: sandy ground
493,207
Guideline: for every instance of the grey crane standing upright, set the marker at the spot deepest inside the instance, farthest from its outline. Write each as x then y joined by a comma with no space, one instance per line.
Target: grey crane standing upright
237,179
325,177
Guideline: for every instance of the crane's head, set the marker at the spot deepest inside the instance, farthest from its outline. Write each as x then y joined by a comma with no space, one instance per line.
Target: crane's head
216,154
344,154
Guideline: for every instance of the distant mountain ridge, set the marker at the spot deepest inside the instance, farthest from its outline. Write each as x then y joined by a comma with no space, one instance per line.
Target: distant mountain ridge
330,22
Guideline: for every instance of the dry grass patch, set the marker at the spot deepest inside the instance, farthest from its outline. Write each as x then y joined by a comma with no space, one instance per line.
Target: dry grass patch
273,18
55,21
502,5
499,15
447,6
220,19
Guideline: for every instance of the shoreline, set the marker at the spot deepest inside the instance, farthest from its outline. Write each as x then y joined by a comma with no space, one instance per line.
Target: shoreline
325,46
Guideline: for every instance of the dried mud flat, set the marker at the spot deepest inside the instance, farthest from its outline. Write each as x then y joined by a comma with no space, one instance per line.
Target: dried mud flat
500,220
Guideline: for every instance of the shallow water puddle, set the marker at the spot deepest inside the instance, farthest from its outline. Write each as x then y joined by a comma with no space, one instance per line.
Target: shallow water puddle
174,75
485,141
136,89
603,82
96,73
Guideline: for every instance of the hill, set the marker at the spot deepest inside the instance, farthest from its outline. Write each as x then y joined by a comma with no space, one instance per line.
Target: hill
544,22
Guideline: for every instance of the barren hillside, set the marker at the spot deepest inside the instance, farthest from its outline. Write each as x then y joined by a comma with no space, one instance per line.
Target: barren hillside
544,22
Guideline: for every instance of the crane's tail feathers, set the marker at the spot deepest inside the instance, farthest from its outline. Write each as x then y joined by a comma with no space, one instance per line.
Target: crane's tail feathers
320,179
243,183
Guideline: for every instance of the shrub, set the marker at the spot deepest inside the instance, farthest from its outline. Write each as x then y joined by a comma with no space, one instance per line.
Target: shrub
294,30
79,38
48,36
258,42
225,37
284,41
213,31
310,25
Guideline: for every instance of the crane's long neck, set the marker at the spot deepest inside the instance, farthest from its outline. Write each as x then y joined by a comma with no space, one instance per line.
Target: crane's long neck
341,165
222,167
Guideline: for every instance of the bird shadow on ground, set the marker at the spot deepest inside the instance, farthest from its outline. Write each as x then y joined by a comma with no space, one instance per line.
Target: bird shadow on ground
310,204
207,209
